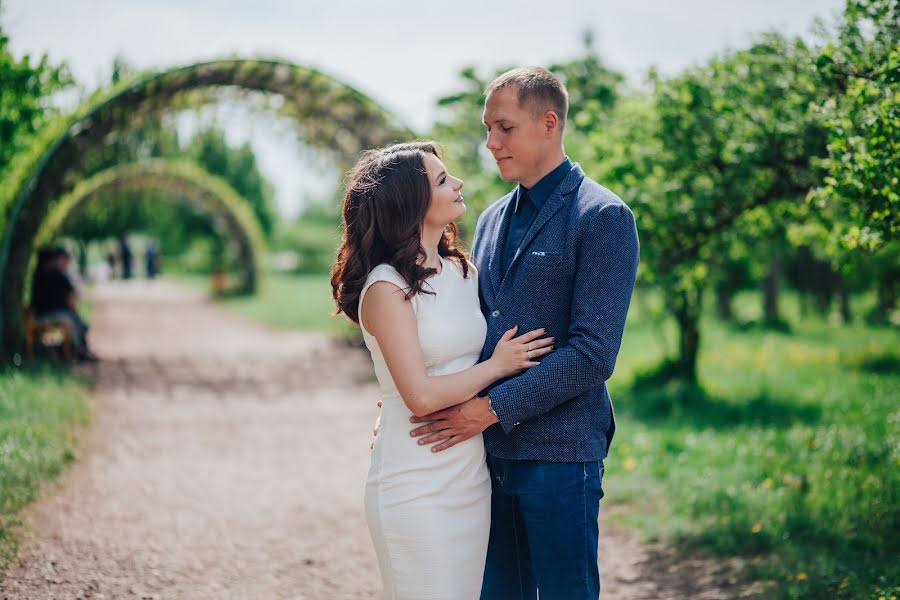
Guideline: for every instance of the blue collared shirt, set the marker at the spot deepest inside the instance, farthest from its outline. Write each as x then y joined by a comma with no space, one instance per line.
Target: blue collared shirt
526,206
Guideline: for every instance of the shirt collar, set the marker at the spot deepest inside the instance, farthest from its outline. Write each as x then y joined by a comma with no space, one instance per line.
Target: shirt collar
543,188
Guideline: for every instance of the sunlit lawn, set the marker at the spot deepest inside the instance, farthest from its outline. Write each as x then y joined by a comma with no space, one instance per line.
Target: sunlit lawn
40,411
788,451
285,301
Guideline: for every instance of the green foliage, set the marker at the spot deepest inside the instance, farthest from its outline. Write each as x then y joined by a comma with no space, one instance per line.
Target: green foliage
594,89
733,135
238,167
40,411
709,147
223,211
25,87
859,199
313,240
335,118
122,209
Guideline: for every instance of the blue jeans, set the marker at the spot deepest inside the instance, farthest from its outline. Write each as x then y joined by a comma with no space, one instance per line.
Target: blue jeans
544,530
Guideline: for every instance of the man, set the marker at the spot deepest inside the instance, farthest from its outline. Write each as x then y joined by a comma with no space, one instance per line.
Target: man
560,252
53,298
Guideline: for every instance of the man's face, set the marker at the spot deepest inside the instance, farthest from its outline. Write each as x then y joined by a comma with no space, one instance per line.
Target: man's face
517,139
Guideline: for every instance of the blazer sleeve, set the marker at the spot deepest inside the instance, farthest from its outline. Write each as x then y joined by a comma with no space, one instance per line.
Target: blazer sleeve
607,266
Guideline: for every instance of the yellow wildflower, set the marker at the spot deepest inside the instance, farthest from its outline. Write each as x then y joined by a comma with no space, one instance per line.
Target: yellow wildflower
757,527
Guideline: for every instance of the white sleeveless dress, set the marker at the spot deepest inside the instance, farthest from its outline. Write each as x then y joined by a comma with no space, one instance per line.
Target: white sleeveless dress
429,513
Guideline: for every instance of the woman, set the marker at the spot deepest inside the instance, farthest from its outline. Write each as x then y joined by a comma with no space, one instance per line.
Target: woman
400,275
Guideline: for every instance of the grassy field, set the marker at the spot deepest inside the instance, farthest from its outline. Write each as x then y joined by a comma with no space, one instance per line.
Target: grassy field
787,452
284,302
40,411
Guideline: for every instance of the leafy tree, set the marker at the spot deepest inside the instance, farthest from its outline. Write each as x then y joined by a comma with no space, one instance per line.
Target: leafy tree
239,168
860,69
25,87
712,145
593,88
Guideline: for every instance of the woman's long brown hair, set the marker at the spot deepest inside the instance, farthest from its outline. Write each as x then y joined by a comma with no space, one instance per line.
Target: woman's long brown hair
387,196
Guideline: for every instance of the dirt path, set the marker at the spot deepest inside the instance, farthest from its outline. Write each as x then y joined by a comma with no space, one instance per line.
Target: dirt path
226,460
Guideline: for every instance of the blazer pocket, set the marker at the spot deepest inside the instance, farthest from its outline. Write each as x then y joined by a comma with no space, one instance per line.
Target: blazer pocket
541,259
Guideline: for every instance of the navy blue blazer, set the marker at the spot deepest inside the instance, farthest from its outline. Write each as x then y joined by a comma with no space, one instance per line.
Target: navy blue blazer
573,274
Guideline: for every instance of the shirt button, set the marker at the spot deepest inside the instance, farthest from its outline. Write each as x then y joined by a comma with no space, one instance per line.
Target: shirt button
495,314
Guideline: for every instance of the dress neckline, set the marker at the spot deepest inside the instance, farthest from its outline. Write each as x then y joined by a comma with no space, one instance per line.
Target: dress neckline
439,274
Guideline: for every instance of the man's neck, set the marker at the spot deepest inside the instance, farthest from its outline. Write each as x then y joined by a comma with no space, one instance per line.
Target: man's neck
544,169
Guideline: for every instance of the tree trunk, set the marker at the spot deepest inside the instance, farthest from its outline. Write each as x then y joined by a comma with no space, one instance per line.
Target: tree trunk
844,294
887,298
82,259
723,303
685,306
770,291
688,346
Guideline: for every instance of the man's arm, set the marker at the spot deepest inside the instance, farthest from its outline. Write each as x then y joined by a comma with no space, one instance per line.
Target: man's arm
607,267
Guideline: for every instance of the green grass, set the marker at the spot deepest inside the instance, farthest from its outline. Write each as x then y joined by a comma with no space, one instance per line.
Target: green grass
286,302
788,450
40,411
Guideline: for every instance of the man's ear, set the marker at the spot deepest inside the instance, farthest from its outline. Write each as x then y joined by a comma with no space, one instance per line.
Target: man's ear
551,123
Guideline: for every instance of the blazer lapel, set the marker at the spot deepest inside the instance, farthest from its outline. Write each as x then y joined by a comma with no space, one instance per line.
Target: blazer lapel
495,265
555,202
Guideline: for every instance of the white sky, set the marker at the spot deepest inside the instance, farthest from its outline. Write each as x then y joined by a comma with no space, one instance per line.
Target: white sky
403,53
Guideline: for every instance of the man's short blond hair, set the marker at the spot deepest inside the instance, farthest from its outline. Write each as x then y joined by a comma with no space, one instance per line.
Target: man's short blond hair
537,89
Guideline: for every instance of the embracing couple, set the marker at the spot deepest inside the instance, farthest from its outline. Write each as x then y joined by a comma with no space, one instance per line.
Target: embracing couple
485,476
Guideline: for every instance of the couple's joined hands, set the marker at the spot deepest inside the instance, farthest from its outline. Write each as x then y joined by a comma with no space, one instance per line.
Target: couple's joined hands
450,426
515,354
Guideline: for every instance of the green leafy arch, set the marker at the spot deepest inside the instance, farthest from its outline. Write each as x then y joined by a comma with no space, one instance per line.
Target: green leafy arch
332,116
180,180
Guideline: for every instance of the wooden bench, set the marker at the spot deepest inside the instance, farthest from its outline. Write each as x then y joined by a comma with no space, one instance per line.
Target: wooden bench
51,333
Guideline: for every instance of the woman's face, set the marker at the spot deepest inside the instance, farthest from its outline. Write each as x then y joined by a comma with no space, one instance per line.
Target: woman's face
446,200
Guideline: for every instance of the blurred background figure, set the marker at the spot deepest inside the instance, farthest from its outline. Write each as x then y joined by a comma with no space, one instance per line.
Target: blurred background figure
151,259
111,262
53,297
125,256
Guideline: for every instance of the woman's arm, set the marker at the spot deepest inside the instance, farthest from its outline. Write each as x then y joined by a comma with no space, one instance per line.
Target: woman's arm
389,317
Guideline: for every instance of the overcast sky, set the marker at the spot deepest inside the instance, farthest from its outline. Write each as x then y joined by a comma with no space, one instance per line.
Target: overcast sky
403,53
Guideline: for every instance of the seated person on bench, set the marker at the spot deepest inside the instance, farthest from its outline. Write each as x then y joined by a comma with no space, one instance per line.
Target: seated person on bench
53,298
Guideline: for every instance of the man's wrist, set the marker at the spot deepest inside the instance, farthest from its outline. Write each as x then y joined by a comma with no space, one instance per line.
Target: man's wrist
491,408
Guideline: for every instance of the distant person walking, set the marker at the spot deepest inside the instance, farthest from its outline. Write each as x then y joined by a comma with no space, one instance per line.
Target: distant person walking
125,256
151,259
